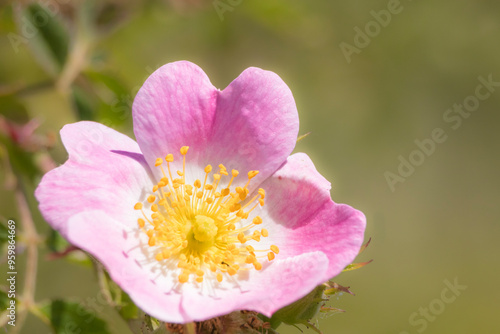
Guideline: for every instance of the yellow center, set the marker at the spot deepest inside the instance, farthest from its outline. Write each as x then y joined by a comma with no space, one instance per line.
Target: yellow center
202,229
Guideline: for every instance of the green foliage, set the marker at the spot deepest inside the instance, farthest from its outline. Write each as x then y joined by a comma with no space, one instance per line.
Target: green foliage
127,309
21,161
4,235
13,109
48,37
4,300
115,100
354,266
69,317
101,97
83,103
301,311
55,242
96,94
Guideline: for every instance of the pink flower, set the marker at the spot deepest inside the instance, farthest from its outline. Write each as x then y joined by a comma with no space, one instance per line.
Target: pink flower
185,236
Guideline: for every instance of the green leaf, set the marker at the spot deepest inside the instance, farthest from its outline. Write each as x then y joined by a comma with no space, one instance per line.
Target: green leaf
301,311
22,162
116,106
4,300
333,288
60,248
68,317
127,309
120,300
84,104
56,242
108,15
4,235
47,36
354,266
299,138
13,109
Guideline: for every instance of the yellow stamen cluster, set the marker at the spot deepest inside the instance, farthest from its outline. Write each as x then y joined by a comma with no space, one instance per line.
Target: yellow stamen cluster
201,228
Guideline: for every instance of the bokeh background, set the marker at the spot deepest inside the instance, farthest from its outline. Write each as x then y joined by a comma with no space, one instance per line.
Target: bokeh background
441,223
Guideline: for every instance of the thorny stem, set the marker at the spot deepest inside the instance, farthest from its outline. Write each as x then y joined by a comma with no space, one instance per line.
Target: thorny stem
31,240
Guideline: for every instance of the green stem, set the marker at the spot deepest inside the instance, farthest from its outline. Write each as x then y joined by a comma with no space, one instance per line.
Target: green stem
31,239
79,53
103,285
190,328
21,90
40,315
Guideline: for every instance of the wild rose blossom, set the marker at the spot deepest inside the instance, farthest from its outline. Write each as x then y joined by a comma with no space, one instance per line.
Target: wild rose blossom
207,212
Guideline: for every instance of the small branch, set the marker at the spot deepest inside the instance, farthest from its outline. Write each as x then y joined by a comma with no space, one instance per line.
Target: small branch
103,284
78,55
22,90
74,65
4,318
190,328
40,315
31,239
58,255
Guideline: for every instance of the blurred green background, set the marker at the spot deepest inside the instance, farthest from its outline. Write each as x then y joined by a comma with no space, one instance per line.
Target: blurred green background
441,223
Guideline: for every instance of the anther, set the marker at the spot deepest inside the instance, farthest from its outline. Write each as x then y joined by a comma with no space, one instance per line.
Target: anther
220,215
183,278
257,265
241,237
252,174
257,220
152,241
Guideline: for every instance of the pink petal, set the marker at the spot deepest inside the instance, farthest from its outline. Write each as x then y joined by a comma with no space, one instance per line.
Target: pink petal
175,107
252,124
114,246
256,124
266,291
336,230
302,218
276,286
105,171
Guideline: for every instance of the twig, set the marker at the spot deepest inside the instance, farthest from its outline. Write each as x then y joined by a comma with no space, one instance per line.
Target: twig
19,89
31,240
190,328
